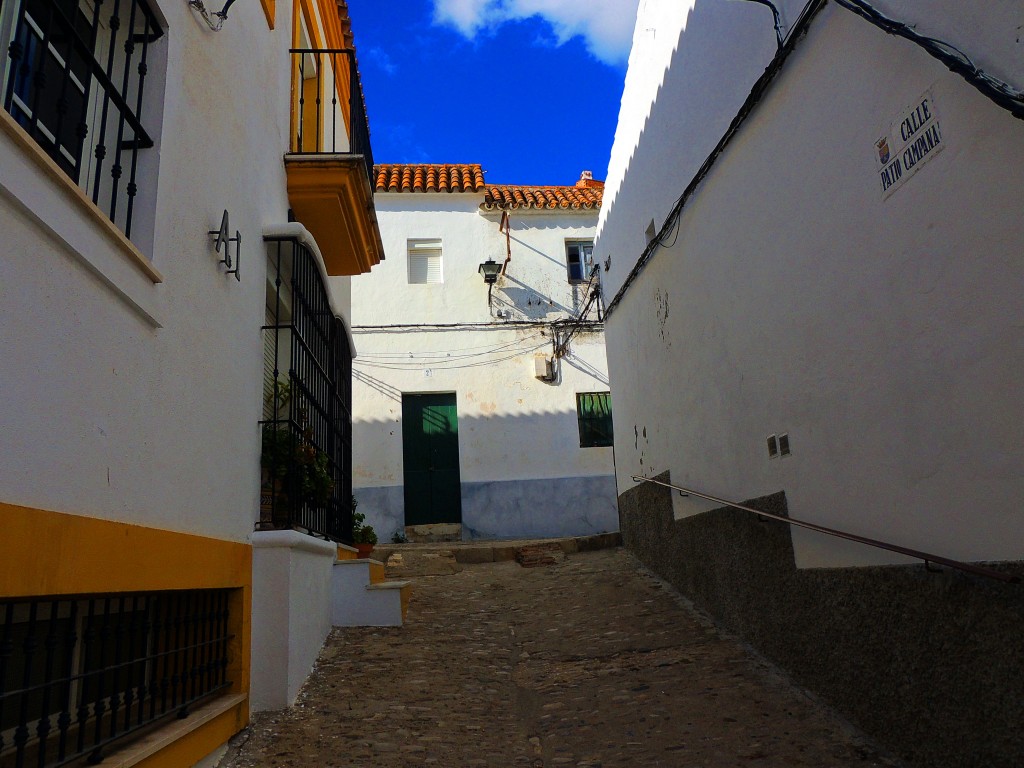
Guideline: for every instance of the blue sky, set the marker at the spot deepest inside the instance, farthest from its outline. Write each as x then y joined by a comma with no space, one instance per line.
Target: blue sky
529,89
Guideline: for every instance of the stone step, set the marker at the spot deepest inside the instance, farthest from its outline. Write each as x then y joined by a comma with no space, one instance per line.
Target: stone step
361,597
404,589
443,558
536,555
417,563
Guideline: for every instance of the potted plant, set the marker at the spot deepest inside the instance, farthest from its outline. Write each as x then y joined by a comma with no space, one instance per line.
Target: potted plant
363,536
295,471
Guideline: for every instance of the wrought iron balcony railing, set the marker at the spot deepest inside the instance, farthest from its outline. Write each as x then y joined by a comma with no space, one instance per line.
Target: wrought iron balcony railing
307,411
329,111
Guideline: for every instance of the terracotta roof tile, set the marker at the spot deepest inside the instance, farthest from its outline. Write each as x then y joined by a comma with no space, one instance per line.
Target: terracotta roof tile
400,177
346,23
585,194
551,198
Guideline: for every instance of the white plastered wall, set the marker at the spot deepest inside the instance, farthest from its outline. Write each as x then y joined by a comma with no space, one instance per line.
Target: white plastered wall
137,401
883,336
289,629
512,426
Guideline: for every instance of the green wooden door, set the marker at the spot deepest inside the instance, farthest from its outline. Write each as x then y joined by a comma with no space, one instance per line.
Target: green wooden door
430,449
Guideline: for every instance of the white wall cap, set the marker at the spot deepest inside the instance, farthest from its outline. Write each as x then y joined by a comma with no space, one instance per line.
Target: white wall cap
388,585
359,561
293,540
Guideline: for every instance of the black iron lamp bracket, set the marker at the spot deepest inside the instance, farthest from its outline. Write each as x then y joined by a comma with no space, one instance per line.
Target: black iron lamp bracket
214,19
222,239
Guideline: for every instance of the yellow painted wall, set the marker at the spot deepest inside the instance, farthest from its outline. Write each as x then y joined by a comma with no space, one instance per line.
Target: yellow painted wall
51,553
323,24
195,746
45,553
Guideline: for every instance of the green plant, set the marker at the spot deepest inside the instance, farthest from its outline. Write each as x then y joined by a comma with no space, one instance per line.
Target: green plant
294,465
296,471
399,537
278,398
361,533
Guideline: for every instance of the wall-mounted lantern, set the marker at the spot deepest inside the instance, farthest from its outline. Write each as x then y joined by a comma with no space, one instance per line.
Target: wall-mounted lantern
490,270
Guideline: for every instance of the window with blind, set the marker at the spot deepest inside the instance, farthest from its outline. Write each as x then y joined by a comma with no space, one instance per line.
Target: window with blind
425,261
579,259
594,411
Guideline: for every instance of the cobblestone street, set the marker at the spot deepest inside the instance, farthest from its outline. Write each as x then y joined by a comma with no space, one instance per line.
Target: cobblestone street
587,662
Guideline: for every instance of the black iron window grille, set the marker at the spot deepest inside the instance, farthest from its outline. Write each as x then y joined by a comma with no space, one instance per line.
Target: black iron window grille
74,79
328,80
78,673
594,412
307,417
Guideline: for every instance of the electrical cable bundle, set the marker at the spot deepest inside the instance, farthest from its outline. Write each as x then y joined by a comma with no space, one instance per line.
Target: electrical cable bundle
955,60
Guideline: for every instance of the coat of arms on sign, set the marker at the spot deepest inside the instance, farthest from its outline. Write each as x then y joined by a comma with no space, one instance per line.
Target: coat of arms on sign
883,149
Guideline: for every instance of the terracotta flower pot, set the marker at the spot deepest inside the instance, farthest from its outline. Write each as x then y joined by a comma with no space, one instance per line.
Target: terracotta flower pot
364,550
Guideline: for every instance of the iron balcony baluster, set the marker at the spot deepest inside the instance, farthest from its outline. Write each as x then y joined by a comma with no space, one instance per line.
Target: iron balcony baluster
358,128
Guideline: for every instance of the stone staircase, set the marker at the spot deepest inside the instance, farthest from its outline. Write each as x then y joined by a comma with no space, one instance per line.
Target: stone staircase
443,558
362,597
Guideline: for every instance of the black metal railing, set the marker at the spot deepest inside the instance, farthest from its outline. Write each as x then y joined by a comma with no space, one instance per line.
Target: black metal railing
307,418
928,558
328,90
78,673
75,82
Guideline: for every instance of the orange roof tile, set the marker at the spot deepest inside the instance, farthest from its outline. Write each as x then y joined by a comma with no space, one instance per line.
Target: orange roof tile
551,198
346,24
585,194
398,177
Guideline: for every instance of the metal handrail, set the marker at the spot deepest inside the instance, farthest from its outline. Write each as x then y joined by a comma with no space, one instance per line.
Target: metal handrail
928,558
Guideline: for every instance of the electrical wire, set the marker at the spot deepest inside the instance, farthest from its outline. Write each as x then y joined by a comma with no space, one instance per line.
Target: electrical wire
955,60
1003,94
442,355
592,295
756,92
393,366
460,349
445,326
775,18
407,360
210,16
478,364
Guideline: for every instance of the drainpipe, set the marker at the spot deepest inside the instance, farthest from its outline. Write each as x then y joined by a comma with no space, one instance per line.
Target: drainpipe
506,226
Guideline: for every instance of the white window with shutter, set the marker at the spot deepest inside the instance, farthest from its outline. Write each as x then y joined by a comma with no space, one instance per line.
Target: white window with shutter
425,261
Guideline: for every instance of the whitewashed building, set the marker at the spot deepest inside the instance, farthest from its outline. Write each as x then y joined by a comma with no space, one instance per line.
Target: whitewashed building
482,410
150,154
813,221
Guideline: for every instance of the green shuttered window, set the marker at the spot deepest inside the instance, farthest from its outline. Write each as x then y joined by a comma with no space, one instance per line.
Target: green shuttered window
594,411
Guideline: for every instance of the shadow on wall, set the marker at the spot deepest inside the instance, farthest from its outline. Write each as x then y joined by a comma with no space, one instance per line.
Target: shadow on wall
926,663
524,302
377,384
523,475
370,372
701,91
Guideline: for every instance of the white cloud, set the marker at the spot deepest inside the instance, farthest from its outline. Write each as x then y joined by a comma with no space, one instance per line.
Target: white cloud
380,58
606,26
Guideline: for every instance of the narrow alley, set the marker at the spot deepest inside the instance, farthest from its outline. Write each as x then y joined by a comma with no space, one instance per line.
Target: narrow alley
587,662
